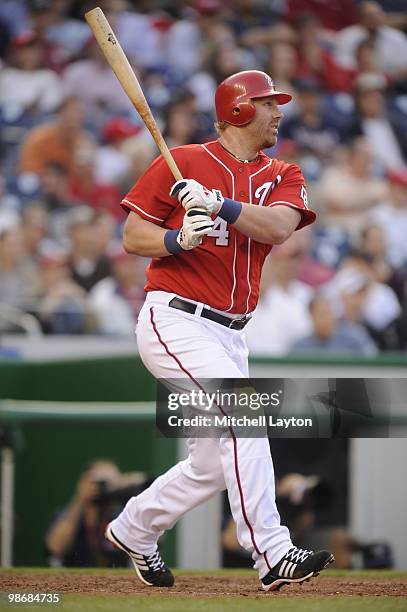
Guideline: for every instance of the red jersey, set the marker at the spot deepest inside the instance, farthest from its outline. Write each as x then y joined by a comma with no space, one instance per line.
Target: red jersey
224,271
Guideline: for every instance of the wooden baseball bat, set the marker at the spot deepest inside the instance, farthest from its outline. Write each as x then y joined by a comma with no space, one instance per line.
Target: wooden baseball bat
120,65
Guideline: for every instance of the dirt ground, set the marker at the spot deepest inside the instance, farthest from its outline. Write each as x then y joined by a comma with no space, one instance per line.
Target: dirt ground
198,586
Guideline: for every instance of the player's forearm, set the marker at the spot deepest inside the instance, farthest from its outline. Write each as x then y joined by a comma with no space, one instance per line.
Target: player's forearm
144,238
267,225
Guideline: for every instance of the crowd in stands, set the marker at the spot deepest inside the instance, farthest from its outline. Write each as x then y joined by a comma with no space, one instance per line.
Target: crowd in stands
71,146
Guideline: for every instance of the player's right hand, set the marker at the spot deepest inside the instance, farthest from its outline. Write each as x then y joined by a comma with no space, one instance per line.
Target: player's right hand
197,223
192,194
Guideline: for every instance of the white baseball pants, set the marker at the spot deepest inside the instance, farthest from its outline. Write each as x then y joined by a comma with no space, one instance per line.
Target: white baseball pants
175,344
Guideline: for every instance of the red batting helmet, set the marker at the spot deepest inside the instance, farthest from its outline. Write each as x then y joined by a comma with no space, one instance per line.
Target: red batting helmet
233,98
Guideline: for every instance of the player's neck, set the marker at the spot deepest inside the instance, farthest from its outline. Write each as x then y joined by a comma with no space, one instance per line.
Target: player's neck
242,151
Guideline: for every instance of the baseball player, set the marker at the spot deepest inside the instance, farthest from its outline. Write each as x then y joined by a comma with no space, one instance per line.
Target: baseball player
208,236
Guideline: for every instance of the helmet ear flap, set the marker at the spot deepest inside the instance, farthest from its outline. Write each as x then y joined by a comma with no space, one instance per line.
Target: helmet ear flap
242,113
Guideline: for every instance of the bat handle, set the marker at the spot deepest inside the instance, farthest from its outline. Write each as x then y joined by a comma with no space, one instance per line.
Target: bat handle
174,169
165,152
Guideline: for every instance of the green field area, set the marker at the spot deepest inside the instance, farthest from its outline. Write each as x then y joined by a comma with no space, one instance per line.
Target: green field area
108,591
73,603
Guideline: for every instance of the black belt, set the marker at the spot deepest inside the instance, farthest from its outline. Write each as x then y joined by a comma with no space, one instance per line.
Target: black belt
209,314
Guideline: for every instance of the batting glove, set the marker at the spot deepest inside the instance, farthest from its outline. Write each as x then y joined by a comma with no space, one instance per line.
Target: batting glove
197,223
192,194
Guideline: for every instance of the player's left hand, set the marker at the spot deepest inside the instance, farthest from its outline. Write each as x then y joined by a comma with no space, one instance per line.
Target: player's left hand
192,194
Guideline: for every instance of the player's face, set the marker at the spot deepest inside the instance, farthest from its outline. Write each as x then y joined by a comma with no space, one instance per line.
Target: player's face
265,124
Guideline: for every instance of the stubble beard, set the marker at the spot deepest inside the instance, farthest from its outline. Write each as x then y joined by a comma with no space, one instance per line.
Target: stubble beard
268,140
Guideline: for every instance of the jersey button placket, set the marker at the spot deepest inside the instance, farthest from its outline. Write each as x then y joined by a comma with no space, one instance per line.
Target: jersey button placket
241,184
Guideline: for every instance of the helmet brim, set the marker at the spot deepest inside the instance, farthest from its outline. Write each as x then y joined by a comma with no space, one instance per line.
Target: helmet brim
282,98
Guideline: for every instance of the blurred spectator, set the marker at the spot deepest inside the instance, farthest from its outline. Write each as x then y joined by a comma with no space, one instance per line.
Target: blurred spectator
137,33
332,15
349,290
331,335
390,44
141,152
75,536
311,128
310,271
116,300
225,59
181,124
92,81
386,136
57,140
55,198
70,34
381,309
54,187
259,24
281,63
24,82
158,86
314,61
19,282
107,236
373,249
197,33
111,162
62,307
34,226
347,190
372,242
392,217
84,187
282,316
87,261
202,84
42,15
251,15
366,60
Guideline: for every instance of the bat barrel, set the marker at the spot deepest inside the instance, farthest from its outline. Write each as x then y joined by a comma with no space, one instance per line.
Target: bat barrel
120,65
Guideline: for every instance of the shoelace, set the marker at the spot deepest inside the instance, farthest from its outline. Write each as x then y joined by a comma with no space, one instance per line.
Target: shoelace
154,561
298,554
